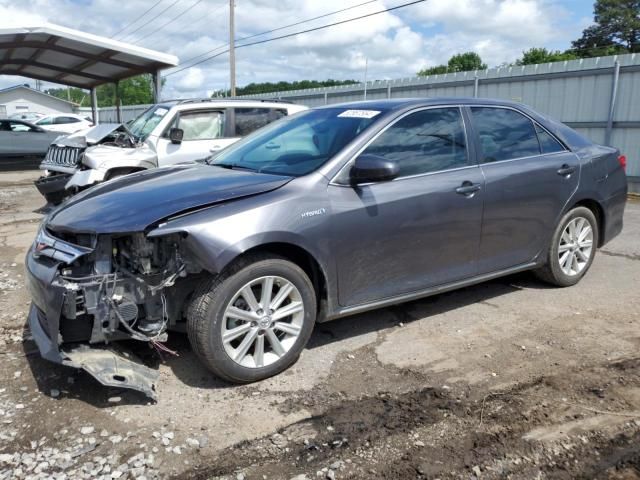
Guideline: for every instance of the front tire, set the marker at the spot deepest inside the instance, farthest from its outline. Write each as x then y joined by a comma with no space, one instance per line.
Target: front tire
572,249
253,320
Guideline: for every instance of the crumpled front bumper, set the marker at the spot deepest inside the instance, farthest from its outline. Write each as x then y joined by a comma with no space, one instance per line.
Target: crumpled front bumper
53,188
110,366
86,178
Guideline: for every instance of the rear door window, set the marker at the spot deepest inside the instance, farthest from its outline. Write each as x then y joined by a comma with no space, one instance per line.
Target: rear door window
201,125
248,120
504,134
65,120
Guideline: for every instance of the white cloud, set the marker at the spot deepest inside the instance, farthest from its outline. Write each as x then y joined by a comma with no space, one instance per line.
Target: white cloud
191,80
396,44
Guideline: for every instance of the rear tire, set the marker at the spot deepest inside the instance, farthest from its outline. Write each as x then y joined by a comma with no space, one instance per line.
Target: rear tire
243,335
572,250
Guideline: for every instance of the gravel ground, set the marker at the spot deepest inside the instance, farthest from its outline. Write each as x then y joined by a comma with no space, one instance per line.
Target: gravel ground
505,379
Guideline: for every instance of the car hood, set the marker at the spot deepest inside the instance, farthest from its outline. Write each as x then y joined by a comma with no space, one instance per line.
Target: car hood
134,202
88,136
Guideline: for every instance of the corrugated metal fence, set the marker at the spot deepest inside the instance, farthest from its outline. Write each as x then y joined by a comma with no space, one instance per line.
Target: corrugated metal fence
599,97
108,114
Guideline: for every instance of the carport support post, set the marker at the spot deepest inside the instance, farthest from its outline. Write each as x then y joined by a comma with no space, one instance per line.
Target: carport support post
612,103
117,101
476,82
94,106
157,86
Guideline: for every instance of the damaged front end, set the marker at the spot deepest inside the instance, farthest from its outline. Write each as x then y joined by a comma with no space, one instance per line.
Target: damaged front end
64,166
91,292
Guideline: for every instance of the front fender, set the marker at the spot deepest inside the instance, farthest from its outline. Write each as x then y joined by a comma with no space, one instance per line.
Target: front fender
107,157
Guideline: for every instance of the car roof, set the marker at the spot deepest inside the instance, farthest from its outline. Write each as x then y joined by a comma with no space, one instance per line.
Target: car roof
62,115
227,102
402,103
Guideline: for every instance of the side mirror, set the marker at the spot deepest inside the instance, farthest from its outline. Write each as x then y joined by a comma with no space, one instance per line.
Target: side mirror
371,168
176,135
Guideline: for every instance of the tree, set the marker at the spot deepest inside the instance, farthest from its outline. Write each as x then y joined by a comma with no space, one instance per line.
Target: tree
136,90
542,55
461,62
465,62
616,29
266,87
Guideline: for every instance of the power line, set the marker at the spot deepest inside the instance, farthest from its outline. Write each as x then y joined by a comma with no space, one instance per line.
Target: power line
169,22
149,21
282,28
138,18
322,27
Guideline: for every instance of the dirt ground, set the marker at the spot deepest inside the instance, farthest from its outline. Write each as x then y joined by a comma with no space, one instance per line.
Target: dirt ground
509,379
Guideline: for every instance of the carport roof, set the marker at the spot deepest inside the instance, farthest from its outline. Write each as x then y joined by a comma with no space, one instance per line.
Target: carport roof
70,57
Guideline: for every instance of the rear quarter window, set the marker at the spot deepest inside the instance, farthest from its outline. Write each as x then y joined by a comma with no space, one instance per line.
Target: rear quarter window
548,144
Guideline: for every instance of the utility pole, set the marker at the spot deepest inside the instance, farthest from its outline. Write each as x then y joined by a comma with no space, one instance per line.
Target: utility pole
366,66
232,49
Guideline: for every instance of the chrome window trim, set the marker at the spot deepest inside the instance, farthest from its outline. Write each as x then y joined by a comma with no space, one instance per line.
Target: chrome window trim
389,125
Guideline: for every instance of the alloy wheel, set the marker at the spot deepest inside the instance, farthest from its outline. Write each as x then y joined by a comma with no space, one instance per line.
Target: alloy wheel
262,321
576,246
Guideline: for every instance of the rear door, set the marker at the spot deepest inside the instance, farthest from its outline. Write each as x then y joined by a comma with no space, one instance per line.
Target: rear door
205,132
419,230
530,176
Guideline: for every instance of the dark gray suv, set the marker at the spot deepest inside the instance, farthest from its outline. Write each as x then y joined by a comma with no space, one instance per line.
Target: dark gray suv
327,213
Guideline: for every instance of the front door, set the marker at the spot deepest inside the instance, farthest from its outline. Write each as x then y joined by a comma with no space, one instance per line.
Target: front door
421,229
204,134
530,176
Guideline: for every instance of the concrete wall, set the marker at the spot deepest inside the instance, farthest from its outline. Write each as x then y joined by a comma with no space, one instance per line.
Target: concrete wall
34,102
577,92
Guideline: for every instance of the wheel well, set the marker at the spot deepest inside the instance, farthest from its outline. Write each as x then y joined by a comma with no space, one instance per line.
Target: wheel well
304,260
599,214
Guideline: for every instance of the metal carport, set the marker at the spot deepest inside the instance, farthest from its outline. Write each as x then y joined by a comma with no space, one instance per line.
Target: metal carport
69,57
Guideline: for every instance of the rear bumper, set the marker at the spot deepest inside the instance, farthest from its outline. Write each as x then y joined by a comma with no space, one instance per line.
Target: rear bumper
614,216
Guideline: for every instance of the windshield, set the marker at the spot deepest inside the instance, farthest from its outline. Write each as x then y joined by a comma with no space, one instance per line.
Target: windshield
142,126
299,144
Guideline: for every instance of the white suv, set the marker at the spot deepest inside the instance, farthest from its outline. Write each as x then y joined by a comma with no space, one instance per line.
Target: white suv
167,133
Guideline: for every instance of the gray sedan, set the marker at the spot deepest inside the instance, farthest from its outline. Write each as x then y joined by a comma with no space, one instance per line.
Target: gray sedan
20,139
330,212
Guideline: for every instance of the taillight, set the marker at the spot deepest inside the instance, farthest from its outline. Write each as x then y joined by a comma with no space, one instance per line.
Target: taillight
623,161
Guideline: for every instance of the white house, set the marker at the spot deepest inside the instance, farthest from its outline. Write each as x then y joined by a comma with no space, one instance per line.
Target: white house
21,98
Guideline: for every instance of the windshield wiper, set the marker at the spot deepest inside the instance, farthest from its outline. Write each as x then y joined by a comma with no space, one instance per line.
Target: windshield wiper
233,166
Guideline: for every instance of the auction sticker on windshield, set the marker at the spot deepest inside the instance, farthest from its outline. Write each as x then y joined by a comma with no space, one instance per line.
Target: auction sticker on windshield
160,111
359,113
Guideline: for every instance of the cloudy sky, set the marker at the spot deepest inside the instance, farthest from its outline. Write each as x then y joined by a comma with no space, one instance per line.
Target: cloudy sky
395,44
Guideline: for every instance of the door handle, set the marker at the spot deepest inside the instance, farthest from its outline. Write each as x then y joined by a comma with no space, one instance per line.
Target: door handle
566,170
468,188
